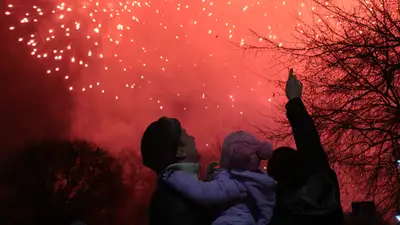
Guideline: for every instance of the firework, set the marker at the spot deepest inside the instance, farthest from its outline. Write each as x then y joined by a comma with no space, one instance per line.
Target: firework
72,35
111,45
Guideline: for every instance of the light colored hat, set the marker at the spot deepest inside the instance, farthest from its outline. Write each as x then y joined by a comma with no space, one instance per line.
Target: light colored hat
243,151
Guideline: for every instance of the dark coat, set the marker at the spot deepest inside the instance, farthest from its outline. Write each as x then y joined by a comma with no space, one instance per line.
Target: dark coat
169,207
316,198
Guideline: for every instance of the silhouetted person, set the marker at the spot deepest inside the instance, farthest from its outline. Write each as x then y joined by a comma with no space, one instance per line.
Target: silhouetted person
308,189
166,145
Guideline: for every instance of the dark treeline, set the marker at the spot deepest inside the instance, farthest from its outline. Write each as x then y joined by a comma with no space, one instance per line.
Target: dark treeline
33,106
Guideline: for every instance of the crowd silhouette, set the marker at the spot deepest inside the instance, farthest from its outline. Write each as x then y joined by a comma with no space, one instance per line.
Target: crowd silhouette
298,188
64,182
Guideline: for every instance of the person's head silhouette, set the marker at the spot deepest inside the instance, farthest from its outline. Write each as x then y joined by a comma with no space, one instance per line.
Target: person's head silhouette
165,142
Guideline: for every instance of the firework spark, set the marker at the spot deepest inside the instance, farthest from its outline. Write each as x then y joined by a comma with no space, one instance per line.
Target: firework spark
71,36
111,45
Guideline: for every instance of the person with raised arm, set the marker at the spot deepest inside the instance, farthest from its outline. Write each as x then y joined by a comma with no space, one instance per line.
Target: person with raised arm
308,189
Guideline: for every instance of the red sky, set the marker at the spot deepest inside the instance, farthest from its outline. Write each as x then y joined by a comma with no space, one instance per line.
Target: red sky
185,48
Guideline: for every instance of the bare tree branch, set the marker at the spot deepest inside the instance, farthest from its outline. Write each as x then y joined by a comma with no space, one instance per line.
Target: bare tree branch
352,62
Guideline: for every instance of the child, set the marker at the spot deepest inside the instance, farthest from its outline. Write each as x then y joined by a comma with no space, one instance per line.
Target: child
243,192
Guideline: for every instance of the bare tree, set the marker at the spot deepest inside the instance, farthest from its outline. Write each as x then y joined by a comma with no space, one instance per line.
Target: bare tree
351,62
59,182
140,183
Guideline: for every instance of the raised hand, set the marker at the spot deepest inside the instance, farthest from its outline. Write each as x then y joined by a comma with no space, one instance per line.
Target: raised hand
294,88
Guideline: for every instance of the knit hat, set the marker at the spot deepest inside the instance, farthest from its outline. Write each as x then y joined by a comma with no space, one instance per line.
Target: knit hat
243,151
160,143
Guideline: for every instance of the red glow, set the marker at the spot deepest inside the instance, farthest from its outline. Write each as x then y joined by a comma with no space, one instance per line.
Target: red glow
176,58
126,63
